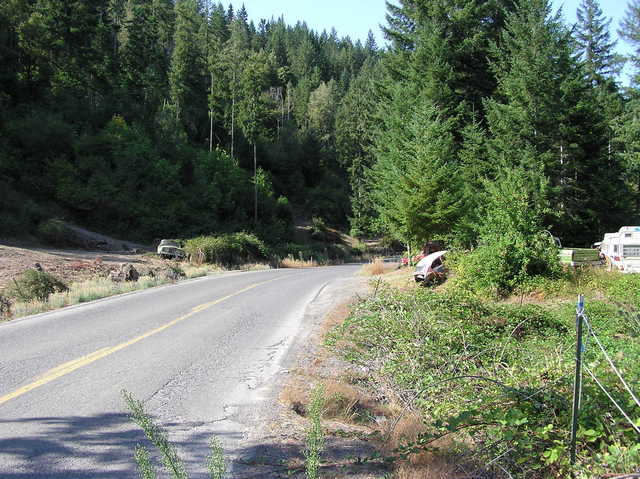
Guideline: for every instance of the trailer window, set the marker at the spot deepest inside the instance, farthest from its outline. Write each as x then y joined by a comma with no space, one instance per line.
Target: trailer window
631,251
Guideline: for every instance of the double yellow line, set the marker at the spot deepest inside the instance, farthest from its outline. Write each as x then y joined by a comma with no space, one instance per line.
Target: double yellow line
78,363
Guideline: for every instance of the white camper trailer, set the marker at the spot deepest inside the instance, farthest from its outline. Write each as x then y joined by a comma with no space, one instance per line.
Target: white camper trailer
621,250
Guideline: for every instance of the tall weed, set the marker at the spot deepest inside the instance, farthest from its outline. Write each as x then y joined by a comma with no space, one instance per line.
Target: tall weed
169,457
315,442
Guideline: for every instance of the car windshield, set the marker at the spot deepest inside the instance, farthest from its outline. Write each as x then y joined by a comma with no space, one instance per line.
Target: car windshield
169,243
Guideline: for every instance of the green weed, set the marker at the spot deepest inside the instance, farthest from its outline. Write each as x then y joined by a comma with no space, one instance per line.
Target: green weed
169,456
315,442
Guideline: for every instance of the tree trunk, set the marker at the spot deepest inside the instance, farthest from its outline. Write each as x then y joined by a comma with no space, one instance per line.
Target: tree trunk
211,117
255,183
233,113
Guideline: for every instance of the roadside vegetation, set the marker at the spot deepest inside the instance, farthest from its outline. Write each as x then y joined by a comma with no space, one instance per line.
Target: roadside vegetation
491,379
37,292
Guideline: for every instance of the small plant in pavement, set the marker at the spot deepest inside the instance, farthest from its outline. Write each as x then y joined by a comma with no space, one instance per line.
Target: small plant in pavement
168,454
215,463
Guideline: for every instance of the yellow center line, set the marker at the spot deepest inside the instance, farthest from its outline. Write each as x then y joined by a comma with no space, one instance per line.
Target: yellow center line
69,367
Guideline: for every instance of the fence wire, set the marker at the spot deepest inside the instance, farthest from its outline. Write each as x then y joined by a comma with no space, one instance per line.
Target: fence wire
613,366
626,416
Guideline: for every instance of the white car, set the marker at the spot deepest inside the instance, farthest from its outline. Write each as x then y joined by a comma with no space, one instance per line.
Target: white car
170,249
430,268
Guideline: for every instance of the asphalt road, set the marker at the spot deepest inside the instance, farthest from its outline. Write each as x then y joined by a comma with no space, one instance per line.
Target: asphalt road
202,355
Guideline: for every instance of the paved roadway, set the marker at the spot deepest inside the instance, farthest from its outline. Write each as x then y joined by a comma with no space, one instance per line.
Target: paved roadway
203,355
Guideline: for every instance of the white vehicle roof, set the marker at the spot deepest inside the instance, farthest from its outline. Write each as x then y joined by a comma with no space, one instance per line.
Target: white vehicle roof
425,263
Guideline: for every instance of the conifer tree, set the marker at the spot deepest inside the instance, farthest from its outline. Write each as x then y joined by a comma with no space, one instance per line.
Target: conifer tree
594,42
416,190
186,77
542,118
630,31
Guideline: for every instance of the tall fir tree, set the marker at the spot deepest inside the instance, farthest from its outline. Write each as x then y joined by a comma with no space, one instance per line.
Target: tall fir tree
187,78
594,42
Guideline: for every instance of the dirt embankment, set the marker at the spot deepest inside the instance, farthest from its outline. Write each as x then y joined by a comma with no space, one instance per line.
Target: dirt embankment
68,265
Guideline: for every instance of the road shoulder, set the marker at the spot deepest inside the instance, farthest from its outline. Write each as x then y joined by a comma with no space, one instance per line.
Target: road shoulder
275,447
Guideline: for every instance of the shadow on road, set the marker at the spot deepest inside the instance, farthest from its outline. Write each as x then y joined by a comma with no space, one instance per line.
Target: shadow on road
100,446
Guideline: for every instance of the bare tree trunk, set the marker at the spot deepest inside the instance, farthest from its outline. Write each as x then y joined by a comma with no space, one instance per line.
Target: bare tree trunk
211,116
255,183
233,113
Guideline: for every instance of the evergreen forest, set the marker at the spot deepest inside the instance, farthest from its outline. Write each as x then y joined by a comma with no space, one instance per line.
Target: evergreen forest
174,118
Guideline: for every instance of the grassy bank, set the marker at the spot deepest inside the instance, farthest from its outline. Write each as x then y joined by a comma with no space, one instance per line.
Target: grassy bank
491,381
98,288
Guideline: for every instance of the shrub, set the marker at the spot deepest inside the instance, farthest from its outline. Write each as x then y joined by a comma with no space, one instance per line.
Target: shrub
35,285
54,231
228,250
5,307
513,244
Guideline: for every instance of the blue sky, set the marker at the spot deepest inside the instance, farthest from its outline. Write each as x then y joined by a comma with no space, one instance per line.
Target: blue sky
349,17
355,17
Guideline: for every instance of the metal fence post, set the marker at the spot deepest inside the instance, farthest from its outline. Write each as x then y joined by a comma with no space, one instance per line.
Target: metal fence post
577,384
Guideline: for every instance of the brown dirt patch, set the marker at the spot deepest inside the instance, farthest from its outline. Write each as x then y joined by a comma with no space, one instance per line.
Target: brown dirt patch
68,265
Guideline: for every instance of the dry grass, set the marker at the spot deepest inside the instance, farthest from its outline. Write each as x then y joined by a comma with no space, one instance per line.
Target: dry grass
343,401
435,470
351,404
298,263
423,465
252,267
84,292
378,267
194,271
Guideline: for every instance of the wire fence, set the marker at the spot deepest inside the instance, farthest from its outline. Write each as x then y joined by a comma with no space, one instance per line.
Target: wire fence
583,320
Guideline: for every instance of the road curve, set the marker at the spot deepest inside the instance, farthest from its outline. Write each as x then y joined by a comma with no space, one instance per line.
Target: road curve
201,354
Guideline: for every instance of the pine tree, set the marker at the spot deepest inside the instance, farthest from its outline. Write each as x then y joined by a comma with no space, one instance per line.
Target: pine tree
594,42
630,31
355,128
187,77
416,189
252,111
143,61
543,118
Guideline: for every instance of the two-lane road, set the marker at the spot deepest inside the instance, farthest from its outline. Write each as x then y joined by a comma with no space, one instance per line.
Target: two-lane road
202,355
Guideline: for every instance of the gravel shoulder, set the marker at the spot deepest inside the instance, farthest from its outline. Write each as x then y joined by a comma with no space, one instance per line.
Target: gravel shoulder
274,448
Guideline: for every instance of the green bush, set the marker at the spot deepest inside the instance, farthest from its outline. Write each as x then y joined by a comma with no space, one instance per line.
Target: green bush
228,250
5,307
35,285
513,244
54,231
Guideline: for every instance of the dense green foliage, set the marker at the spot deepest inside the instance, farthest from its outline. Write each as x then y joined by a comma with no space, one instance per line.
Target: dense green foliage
163,118
228,250
474,93
496,378
180,118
